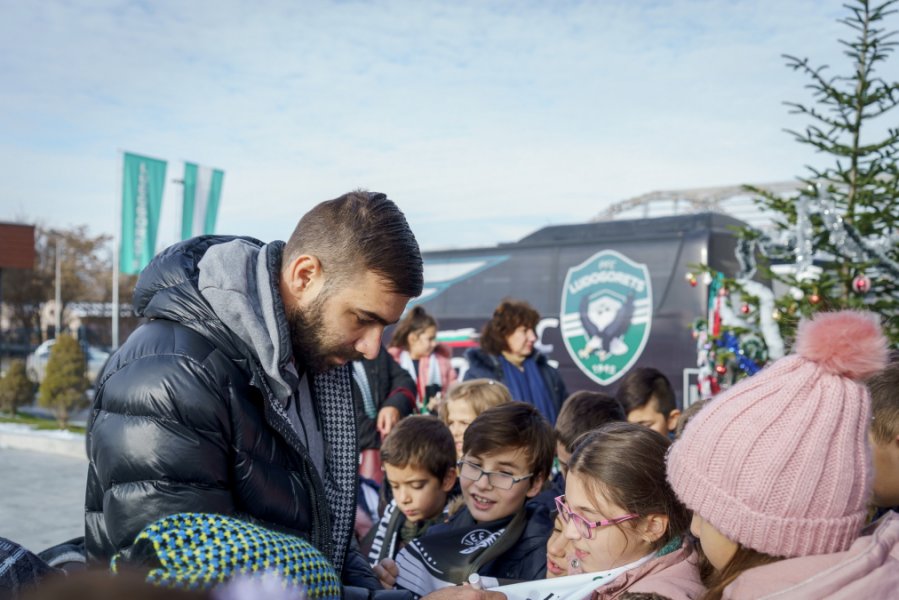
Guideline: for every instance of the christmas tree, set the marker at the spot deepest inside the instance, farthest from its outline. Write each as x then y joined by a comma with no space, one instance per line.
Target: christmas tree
834,244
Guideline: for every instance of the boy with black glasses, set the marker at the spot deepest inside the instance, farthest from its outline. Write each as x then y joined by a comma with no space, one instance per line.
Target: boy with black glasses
507,456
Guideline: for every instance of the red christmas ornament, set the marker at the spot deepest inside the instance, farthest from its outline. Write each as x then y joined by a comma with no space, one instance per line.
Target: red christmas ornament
814,298
693,282
745,309
721,369
861,284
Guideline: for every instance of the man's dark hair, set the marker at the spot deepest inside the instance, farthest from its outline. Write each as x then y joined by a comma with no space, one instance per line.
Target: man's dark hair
508,316
642,385
420,441
513,426
360,231
584,411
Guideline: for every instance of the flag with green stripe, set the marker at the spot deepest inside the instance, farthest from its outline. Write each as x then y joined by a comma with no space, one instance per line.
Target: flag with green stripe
202,193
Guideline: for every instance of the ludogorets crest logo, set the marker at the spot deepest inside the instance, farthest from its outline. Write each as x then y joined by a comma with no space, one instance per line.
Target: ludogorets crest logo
606,314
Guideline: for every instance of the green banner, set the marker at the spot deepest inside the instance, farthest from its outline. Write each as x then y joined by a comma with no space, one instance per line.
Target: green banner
143,180
202,193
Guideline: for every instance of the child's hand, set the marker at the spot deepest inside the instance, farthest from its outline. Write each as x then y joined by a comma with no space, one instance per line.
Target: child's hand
387,418
387,571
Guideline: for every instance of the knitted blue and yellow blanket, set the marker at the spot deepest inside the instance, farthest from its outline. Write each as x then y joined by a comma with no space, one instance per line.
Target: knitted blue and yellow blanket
199,551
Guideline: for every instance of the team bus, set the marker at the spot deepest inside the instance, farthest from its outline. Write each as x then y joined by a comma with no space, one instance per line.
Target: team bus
612,295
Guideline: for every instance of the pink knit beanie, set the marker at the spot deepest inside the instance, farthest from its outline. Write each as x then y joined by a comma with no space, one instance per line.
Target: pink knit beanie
780,462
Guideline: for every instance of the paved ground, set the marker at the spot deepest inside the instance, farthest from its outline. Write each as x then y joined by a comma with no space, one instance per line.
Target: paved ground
41,497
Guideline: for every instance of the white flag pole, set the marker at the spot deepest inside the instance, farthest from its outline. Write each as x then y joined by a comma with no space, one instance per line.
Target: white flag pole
115,253
180,214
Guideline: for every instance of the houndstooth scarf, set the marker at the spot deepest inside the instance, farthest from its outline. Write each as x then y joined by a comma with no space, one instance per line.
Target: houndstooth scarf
240,281
335,400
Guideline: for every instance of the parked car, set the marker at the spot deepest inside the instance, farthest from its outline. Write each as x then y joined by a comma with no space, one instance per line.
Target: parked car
36,363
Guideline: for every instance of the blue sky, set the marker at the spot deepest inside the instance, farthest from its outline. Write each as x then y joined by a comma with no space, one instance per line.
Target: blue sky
483,120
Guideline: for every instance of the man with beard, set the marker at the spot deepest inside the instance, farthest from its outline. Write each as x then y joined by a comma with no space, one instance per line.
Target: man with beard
234,398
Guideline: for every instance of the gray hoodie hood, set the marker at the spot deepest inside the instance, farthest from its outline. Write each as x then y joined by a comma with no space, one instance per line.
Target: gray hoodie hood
240,280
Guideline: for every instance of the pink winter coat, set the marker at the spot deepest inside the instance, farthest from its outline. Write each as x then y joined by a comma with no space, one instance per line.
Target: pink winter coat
442,355
674,575
869,570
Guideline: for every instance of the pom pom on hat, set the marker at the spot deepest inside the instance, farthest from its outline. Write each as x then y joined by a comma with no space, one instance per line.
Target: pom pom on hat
846,343
780,461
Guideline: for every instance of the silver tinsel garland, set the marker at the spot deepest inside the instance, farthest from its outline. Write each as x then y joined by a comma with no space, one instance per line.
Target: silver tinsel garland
798,245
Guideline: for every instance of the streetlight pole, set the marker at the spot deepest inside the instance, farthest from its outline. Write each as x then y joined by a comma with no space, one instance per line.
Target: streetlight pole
58,296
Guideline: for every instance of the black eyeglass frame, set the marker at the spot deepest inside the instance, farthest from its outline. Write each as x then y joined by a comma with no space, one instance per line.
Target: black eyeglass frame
490,480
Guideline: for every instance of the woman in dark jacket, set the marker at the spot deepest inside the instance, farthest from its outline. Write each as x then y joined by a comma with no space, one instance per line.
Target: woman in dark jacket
507,354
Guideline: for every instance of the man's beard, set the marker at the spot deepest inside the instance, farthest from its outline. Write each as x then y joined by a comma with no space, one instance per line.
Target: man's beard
314,350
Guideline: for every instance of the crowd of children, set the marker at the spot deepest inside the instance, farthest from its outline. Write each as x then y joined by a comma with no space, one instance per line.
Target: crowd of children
783,486
764,491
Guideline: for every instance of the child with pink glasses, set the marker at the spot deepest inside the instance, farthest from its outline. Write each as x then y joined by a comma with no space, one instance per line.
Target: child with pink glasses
622,522
622,518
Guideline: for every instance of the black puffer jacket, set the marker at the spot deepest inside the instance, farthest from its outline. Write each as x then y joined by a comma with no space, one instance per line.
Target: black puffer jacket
183,420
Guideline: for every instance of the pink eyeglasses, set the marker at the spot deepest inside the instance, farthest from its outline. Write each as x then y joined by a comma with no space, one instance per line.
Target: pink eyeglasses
583,526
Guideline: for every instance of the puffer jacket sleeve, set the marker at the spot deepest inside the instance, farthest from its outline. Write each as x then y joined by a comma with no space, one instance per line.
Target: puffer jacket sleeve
360,581
160,439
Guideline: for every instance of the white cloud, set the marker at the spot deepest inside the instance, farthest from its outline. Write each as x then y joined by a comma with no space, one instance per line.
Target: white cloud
491,117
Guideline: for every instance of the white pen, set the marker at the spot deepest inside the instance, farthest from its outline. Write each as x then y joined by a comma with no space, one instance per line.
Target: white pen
474,580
